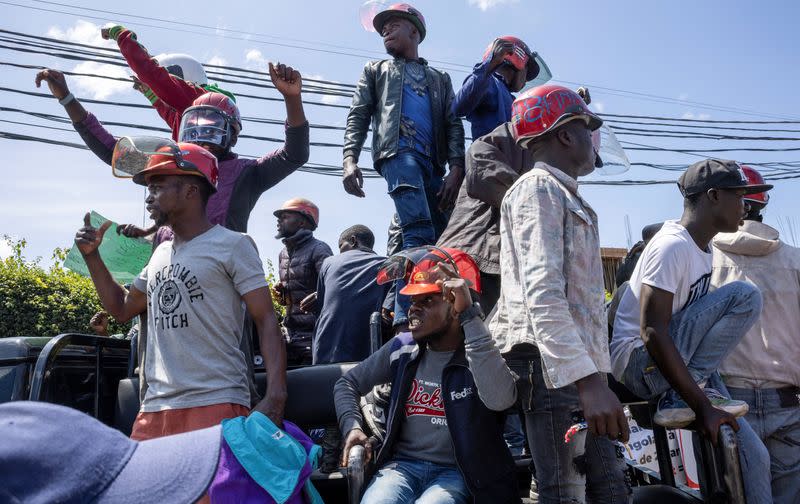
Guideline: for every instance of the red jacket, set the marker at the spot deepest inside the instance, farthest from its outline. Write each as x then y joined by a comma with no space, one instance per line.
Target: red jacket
173,92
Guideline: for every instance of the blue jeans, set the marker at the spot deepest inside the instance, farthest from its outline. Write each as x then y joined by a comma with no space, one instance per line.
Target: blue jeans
704,333
566,472
779,428
413,186
404,481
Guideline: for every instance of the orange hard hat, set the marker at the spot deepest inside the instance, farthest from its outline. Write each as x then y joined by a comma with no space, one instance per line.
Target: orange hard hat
425,274
302,206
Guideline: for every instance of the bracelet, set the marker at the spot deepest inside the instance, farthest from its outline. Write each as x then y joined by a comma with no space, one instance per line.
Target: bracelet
67,99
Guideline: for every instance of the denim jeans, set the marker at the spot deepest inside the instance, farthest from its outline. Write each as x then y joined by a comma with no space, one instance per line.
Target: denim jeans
566,472
704,333
404,481
413,185
779,429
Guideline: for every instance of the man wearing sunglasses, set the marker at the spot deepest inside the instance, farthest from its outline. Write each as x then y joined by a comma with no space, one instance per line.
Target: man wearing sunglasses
195,290
450,388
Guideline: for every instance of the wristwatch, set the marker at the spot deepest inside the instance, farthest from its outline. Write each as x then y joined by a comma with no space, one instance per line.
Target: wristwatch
470,313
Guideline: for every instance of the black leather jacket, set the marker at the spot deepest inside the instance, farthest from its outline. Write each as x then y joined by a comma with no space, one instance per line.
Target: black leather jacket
378,97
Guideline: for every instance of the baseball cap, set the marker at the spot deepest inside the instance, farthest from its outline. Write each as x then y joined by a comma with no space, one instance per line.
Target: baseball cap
51,453
716,174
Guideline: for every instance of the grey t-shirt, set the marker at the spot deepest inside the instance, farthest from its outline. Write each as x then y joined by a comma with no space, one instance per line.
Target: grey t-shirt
424,434
194,302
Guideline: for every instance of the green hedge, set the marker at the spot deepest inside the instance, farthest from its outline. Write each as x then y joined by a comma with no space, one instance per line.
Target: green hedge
35,301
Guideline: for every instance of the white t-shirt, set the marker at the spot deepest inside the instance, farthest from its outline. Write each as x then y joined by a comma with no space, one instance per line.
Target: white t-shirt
673,262
195,317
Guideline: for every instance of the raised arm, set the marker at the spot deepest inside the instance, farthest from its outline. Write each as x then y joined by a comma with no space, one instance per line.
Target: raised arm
174,91
476,85
93,134
121,304
274,167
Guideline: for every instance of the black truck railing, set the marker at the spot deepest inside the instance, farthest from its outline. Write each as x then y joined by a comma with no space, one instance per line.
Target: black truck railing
51,351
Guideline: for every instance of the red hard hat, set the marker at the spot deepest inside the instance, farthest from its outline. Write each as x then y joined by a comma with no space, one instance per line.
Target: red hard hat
544,108
180,159
521,58
425,273
405,11
755,178
302,206
222,103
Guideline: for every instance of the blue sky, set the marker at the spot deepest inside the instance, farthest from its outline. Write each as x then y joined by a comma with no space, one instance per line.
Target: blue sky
722,53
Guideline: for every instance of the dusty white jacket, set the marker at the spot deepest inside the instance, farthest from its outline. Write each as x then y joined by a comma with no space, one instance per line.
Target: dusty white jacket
769,354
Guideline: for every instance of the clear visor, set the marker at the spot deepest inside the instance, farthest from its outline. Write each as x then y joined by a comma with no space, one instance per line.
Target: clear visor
368,11
205,125
544,74
132,154
615,161
399,266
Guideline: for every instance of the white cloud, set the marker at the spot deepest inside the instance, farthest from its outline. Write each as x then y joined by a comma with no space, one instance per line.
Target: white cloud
692,115
218,60
255,59
331,100
599,106
485,5
84,32
99,88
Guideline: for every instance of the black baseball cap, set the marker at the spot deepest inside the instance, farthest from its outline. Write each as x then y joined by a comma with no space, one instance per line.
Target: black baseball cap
716,174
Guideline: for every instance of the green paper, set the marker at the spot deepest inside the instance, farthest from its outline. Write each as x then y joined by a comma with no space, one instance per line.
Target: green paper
124,257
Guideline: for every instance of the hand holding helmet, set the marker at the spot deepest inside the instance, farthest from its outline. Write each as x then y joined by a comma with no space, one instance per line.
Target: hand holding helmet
455,289
501,49
286,79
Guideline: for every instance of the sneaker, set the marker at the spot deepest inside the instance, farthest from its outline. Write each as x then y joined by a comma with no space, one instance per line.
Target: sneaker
672,412
732,406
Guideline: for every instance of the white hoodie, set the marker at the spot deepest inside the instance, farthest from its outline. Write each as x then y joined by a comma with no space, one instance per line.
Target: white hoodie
769,354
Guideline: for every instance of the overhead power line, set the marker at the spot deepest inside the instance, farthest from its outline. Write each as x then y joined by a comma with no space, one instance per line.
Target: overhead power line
448,66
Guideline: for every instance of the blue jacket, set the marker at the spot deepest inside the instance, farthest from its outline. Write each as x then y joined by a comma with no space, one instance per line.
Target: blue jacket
477,432
484,99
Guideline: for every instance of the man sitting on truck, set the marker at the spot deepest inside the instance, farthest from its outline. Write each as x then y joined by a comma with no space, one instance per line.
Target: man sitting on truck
195,289
450,389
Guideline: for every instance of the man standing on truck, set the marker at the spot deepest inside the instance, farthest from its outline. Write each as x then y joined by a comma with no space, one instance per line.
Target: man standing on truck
195,289
414,133
763,369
